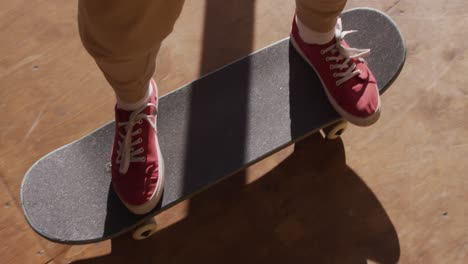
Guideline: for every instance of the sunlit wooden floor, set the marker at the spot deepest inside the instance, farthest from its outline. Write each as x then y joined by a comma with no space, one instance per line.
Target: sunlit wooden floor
397,191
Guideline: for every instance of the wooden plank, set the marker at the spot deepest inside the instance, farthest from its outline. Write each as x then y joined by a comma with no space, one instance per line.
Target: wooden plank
18,243
418,167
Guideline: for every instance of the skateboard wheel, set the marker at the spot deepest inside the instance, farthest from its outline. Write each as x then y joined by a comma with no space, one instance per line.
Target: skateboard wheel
335,130
145,230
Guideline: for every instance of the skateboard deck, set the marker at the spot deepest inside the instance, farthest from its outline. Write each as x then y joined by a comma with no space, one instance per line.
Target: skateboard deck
208,130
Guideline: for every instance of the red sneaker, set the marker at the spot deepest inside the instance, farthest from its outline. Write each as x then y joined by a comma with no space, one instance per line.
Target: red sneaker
349,84
137,164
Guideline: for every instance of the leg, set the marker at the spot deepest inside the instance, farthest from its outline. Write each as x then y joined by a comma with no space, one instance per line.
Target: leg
124,37
349,84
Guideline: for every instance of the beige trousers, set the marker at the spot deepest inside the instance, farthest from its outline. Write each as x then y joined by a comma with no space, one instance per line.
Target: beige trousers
124,36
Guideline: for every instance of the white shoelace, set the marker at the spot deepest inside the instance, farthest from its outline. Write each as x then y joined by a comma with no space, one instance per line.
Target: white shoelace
126,153
344,53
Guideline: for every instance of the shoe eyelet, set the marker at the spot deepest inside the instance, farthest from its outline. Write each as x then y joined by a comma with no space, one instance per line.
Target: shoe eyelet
139,131
331,67
140,140
322,52
140,121
334,75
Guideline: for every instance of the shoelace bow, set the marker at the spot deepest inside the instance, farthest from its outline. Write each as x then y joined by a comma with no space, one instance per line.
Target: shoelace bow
126,153
344,53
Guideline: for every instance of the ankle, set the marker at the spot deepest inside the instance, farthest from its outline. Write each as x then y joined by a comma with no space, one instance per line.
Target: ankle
134,104
313,37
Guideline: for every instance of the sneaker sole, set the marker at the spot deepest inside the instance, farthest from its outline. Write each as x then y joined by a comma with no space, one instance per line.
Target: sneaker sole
367,121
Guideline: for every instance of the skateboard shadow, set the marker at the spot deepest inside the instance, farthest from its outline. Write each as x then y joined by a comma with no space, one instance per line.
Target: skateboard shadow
312,208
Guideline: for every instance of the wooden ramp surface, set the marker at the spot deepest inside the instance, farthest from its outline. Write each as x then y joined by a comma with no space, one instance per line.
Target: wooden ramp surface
395,191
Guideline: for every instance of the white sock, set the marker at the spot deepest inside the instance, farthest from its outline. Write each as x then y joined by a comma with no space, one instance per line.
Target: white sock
132,106
313,37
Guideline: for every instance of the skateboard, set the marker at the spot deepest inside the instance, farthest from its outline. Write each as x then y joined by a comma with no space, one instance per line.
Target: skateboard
208,130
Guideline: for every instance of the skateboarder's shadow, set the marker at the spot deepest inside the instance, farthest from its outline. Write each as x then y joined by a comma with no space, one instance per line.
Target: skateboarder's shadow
311,208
